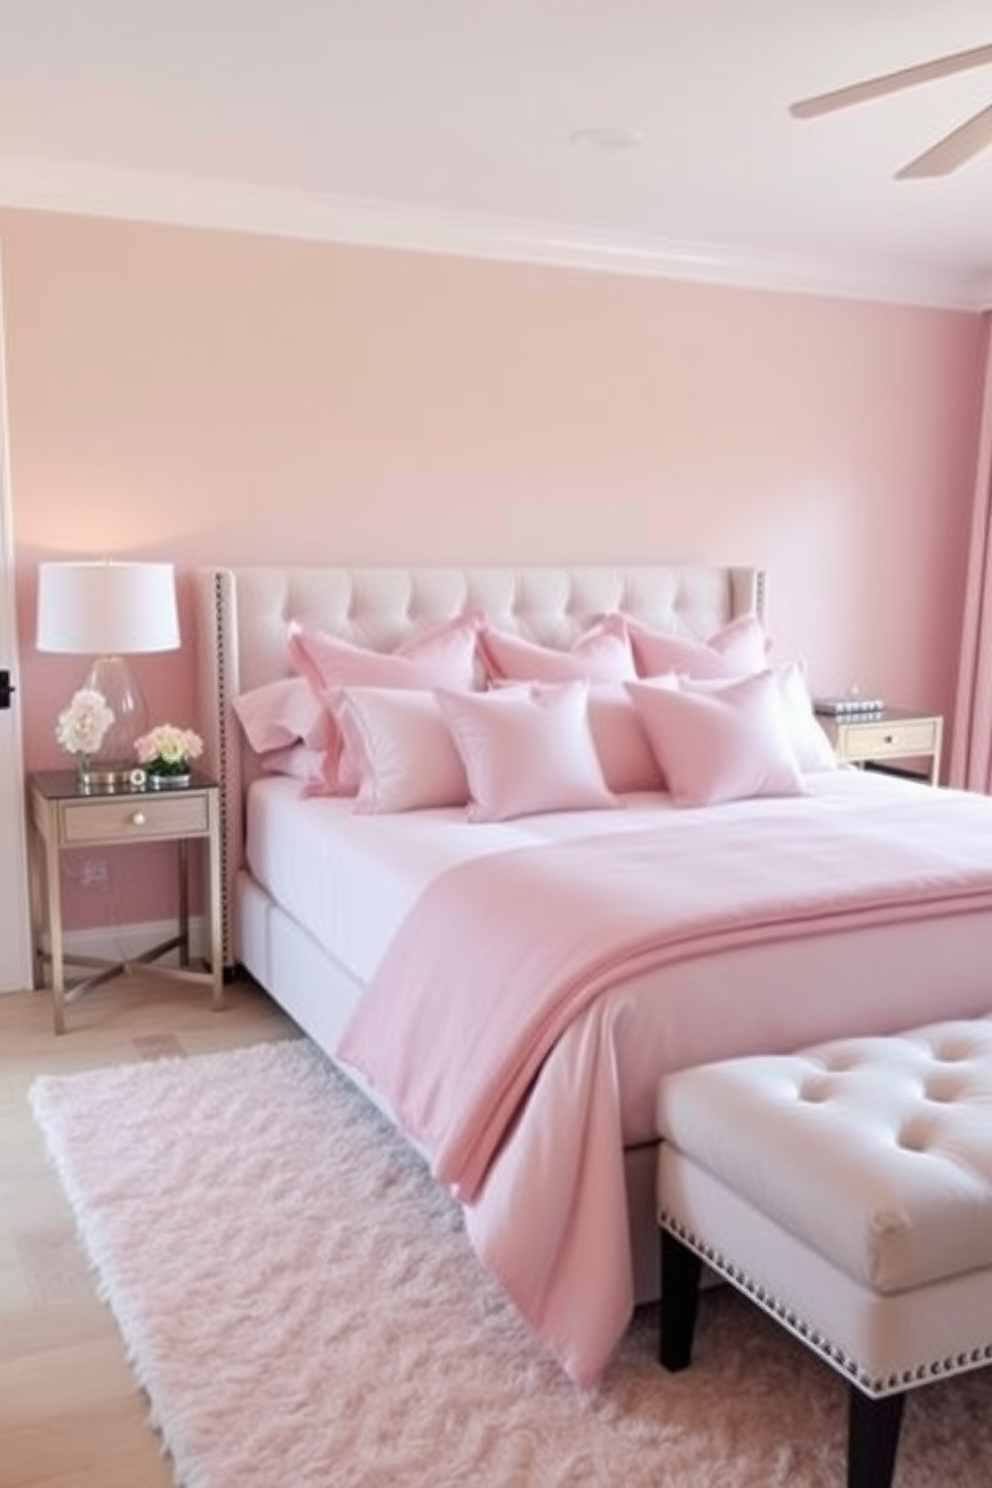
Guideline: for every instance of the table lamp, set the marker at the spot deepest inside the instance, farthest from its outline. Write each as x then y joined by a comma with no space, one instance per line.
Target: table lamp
109,611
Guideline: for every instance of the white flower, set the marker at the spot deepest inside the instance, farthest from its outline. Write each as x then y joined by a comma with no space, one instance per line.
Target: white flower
81,727
168,750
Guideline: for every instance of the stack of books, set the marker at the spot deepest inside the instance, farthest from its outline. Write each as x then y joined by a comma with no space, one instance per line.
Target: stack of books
851,705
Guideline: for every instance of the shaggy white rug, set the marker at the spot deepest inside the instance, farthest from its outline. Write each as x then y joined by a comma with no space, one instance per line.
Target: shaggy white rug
304,1311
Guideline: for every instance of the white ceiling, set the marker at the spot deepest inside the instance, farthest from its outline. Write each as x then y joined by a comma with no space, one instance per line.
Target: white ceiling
451,124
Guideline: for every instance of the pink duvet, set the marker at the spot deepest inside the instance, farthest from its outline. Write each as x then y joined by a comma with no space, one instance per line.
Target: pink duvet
503,959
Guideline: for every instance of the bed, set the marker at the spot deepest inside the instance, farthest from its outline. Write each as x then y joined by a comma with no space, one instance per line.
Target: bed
321,907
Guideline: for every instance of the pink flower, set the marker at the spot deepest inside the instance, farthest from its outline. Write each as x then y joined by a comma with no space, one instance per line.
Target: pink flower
167,750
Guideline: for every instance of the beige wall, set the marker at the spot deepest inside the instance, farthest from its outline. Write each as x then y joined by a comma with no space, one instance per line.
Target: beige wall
203,396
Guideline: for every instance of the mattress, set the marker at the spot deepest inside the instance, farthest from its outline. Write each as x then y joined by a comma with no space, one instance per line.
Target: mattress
349,879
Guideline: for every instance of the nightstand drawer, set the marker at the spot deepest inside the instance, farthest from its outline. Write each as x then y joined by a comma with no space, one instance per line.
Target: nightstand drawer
879,740
130,818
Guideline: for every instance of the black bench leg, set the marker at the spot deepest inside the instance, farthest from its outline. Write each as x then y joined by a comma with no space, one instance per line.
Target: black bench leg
872,1438
680,1272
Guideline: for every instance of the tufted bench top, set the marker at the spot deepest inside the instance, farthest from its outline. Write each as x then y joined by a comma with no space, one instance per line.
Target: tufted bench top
876,1152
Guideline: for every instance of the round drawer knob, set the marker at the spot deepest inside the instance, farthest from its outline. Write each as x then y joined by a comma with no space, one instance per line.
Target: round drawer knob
138,819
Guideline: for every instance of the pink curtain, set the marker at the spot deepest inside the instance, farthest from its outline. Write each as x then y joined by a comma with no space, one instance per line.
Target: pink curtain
971,755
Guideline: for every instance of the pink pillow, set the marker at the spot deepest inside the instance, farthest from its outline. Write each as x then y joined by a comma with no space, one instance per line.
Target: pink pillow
526,752
282,713
309,766
622,744
405,757
443,657
736,650
723,744
597,656
812,748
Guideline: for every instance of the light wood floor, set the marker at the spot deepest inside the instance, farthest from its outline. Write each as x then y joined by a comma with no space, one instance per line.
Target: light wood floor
71,1415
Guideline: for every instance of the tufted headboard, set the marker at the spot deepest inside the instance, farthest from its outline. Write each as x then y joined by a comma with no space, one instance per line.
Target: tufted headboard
242,615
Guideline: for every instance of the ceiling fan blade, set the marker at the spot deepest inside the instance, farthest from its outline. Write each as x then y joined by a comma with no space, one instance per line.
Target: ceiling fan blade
891,82
953,150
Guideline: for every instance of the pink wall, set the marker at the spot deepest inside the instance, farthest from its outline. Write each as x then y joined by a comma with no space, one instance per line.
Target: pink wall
210,397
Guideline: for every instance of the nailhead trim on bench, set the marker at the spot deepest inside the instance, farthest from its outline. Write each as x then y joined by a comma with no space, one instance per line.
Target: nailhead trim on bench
883,1385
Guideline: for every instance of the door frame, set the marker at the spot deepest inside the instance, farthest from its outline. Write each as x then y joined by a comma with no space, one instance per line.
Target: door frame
16,971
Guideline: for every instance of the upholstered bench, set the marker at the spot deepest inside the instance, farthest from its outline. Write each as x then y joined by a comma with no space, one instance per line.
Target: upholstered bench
847,1189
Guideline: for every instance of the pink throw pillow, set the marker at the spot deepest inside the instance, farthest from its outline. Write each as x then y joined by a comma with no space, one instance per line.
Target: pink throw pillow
597,656
309,766
525,753
443,657
736,650
403,751
282,713
722,744
622,744
812,748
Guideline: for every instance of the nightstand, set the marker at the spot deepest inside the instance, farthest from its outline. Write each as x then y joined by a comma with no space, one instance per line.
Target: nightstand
64,816
893,734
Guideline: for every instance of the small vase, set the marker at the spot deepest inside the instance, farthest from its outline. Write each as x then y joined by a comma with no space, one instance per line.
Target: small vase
169,782
84,764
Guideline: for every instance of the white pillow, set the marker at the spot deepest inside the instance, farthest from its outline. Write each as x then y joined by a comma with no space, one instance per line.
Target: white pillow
812,748
401,748
526,751
721,744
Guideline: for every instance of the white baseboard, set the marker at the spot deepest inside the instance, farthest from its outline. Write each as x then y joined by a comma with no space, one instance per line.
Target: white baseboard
127,942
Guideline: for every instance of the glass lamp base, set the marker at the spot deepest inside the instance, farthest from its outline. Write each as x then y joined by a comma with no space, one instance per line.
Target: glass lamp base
110,766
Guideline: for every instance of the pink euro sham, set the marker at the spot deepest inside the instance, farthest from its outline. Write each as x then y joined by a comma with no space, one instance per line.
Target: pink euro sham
738,649
597,656
443,657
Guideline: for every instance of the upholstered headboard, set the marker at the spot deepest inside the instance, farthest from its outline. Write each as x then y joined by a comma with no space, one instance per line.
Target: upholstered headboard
243,613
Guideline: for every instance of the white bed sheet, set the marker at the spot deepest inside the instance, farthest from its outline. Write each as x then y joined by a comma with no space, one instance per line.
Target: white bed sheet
349,878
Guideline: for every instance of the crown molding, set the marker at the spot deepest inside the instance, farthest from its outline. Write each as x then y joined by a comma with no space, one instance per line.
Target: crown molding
232,207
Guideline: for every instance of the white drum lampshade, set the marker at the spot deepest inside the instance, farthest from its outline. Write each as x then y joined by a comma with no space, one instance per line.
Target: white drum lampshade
110,611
